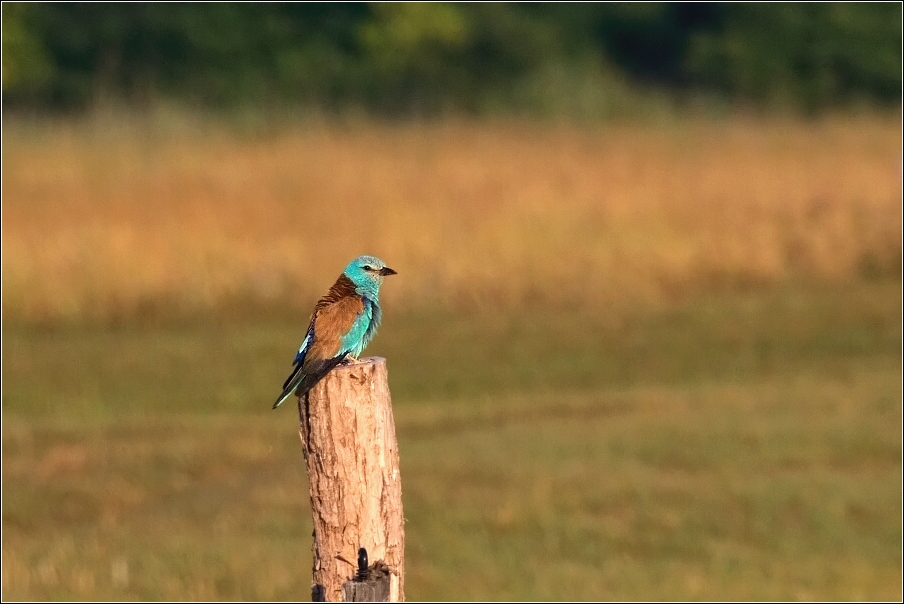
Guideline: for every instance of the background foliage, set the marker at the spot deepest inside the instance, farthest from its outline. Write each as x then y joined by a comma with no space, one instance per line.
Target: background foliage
427,58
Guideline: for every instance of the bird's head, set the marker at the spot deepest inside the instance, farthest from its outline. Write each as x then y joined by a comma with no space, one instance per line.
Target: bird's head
367,273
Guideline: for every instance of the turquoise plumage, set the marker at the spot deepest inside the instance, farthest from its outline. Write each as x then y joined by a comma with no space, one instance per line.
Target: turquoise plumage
344,322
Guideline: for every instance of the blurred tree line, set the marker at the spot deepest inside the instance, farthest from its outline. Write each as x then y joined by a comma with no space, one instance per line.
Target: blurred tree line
423,58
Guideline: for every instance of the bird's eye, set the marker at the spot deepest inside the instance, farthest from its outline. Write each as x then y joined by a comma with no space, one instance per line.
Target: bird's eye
368,267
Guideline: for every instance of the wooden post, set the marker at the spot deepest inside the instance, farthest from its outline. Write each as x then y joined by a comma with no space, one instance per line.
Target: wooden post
349,443
372,583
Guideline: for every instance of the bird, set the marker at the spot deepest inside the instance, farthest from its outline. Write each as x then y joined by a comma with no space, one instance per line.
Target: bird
343,323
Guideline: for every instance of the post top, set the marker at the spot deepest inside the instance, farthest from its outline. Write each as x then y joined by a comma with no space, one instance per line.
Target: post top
364,361
369,364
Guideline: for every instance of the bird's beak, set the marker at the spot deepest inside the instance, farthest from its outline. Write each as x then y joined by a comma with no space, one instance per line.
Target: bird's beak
385,271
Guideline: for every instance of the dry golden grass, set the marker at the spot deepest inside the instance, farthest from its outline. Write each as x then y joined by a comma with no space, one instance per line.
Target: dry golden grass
100,221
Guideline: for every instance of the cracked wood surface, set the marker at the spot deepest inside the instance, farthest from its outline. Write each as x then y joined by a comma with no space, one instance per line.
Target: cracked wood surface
350,449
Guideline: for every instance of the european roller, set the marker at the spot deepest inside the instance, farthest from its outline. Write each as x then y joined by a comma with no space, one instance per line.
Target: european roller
344,322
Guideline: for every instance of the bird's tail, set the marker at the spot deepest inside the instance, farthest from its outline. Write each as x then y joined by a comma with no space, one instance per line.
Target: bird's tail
290,385
299,387
299,383
282,397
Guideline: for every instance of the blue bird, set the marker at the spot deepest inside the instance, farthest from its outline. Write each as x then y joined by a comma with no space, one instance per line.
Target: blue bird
345,320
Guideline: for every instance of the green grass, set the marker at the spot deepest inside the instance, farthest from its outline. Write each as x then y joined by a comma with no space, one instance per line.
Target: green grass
744,446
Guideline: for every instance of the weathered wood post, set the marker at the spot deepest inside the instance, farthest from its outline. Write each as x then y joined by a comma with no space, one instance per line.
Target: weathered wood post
349,443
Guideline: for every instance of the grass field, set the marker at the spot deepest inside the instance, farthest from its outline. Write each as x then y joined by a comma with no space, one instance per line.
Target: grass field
630,363
735,448
111,220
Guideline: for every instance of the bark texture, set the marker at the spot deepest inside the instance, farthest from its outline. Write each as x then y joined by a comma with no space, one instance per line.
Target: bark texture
350,449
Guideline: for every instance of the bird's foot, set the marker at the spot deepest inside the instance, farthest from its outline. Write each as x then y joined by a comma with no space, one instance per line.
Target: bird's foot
349,360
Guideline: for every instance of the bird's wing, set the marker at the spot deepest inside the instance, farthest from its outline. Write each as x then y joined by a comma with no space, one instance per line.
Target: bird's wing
296,376
299,356
322,347
331,324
